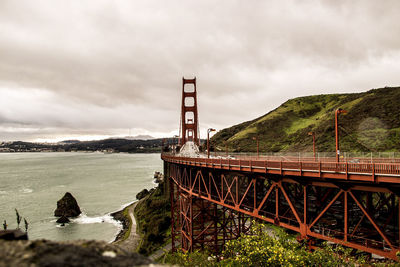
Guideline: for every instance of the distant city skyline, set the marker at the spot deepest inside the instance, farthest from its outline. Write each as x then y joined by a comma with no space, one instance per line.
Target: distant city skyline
95,69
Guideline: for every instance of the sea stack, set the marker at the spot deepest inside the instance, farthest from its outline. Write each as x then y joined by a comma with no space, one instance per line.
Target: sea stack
67,207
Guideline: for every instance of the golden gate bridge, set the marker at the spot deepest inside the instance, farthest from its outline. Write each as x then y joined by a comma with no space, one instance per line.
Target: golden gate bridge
353,202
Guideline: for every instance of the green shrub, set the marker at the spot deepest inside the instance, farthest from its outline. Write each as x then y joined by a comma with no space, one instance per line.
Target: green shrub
264,247
197,258
267,246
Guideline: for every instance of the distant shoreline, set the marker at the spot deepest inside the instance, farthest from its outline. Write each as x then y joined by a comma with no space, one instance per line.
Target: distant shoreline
103,146
82,151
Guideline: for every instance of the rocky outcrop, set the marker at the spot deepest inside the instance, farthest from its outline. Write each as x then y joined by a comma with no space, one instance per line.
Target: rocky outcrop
67,206
142,194
74,253
159,177
13,235
123,217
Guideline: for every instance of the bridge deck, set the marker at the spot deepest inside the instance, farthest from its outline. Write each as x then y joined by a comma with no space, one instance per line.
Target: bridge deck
376,171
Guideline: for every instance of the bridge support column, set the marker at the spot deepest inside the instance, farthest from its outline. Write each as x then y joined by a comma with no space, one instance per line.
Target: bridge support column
303,225
201,224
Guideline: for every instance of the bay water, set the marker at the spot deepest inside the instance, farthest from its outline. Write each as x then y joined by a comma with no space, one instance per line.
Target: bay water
101,183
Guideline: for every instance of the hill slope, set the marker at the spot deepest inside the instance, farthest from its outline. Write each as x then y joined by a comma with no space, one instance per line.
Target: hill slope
371,124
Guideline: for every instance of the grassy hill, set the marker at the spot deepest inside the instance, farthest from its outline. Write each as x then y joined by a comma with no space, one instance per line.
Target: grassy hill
371,124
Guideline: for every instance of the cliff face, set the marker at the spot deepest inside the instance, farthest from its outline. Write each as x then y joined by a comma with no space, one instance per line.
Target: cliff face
371,124
153,219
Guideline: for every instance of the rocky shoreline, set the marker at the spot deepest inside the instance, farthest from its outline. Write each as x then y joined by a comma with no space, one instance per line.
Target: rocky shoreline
123,217
127,238
127,235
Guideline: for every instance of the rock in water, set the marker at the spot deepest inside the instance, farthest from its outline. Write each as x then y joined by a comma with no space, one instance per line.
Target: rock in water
67,206
63,219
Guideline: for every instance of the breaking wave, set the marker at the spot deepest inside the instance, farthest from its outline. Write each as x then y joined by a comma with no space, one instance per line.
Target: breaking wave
26,190
84,219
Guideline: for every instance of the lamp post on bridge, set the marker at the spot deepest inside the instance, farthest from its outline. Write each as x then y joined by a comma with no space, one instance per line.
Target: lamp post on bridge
162,145
208,140
176,138
313,138
258,151
337,113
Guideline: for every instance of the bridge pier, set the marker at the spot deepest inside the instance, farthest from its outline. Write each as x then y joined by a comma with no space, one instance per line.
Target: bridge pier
201,224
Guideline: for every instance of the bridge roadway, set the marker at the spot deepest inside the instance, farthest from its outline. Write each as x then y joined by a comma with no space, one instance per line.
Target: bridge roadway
354,203
383,172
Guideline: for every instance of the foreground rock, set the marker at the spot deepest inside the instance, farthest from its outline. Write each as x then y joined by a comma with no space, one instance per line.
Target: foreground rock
77,253
67,206
13,235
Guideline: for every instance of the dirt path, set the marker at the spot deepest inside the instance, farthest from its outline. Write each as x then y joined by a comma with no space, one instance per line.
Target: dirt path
132,241
157,254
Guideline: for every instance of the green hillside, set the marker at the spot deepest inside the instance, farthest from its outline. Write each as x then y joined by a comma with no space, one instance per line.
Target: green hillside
371,124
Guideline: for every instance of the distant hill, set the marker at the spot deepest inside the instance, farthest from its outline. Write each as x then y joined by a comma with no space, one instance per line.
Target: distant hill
371,124
66,142
120,145
136,137
140,137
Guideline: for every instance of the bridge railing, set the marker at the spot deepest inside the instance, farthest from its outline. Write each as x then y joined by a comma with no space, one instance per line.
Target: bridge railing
285,164
350,157
359,157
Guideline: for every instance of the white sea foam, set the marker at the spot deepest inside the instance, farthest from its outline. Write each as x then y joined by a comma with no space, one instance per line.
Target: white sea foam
3,192
26,190
84,219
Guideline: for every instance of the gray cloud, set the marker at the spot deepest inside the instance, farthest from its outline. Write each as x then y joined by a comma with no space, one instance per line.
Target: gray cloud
103,66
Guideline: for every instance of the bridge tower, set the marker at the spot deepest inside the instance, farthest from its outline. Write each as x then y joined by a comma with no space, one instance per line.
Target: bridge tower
189,116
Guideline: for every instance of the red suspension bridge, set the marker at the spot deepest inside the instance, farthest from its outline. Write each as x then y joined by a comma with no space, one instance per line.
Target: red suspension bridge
354,203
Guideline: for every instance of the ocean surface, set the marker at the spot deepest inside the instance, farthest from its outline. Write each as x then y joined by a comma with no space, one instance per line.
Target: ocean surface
101,183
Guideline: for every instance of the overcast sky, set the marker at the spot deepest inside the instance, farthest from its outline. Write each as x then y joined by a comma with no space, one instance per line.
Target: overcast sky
90,69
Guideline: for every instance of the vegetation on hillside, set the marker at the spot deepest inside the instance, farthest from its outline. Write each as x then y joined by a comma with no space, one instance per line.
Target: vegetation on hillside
371,124
153,219
266,247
